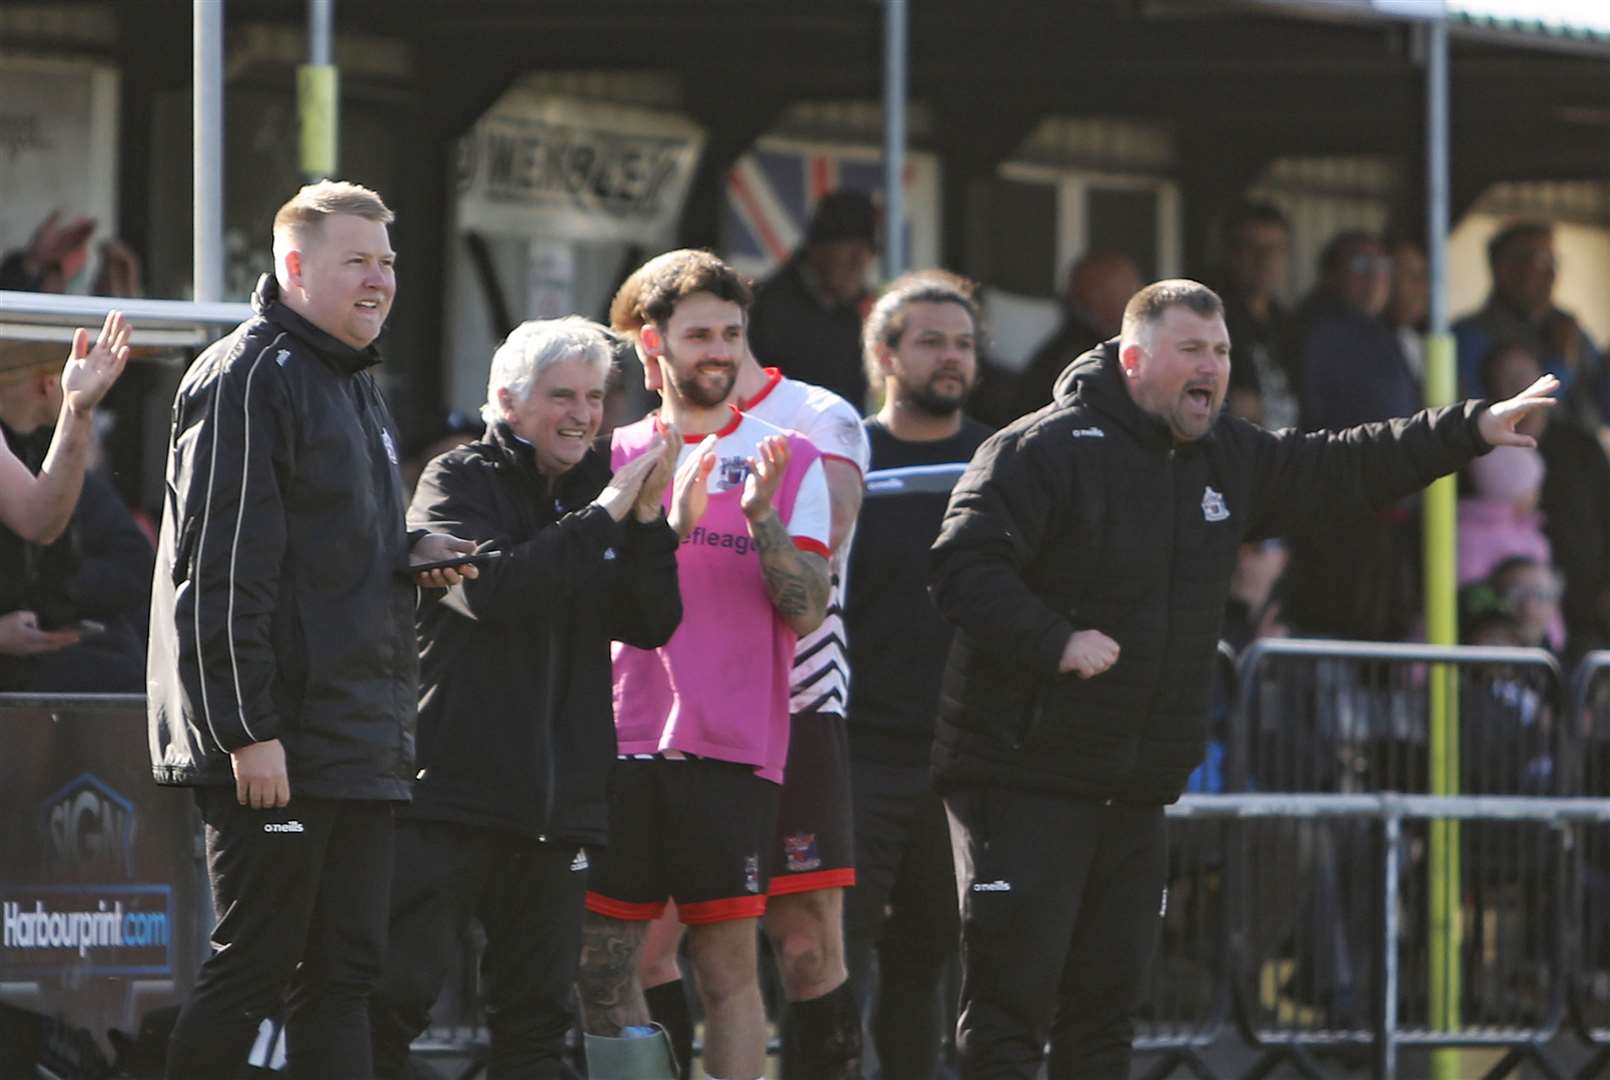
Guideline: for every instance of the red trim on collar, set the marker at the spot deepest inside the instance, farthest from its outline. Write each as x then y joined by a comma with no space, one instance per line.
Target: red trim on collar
693,440
774,376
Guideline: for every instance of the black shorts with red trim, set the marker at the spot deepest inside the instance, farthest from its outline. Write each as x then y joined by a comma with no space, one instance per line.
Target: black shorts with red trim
694,831
815,843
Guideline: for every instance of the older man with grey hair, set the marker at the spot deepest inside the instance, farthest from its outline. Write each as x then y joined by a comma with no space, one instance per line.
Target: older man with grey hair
516,728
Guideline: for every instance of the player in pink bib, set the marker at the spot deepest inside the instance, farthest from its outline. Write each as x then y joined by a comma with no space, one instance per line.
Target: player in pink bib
719,688
702,723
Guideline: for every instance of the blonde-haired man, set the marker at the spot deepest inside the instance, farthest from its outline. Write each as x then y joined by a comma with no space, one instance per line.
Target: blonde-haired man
283,667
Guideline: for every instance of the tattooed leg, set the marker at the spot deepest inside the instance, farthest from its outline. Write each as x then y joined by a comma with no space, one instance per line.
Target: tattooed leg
606,982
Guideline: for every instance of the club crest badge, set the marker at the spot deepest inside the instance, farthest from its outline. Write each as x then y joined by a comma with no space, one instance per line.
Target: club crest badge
799,849
732,470
1213,508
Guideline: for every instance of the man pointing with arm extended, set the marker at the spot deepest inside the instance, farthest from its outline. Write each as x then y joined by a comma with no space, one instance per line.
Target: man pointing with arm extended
1085,559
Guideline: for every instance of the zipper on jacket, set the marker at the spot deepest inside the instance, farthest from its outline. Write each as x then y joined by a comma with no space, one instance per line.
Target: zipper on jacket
550,772
1168,610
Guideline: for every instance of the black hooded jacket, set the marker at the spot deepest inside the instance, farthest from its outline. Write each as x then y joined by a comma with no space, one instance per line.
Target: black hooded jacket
516,722
281,606
1086,515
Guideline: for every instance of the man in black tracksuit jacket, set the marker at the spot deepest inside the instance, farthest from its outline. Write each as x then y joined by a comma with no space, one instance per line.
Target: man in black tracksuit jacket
516,723
1085,559
282,669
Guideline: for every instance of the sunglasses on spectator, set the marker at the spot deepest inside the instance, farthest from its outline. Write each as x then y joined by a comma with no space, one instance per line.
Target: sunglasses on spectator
1546,594
1369,264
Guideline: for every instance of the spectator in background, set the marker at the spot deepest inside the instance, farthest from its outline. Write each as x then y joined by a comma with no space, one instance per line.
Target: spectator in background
98,570
1253,608
52,257
1500,520
1530,590
1521,307
921,344
1505,721
1575,500
1408,303
806,318
1263,383
1353,371
57,252
1100,283
454,429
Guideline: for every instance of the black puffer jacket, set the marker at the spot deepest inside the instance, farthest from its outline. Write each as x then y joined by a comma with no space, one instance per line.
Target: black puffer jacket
516,722
1085,515
281,606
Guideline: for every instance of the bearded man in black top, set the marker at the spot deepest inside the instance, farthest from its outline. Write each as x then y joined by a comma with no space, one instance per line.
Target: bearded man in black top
921,349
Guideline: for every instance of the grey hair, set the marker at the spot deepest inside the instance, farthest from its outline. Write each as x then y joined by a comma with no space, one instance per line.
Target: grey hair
533,347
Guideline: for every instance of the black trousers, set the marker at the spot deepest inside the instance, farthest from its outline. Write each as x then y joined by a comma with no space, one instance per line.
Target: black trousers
903,906
301,899
529,898
1061,903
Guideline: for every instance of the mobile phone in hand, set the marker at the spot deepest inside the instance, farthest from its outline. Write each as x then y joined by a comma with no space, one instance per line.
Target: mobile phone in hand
470,558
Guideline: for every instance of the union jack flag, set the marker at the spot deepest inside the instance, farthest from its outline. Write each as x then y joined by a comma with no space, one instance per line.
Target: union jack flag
772,191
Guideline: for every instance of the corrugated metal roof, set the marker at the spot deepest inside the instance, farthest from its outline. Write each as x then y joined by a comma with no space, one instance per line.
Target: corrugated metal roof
1567,24
1569,19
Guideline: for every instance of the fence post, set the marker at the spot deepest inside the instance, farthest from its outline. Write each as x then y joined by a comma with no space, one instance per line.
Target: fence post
1386,1046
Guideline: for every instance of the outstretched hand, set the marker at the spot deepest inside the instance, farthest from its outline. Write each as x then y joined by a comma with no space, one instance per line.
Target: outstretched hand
1497,422
89,373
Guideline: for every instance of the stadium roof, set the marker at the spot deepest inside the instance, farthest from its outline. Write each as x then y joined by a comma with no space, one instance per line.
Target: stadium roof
1556,24
1573,20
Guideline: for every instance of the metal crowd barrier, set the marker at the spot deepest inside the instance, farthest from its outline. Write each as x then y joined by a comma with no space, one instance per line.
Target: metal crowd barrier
1189,1004
1588,994
1387,1032
1348,718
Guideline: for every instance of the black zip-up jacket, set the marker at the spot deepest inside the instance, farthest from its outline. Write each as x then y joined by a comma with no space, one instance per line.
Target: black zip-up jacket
1086,515
516,720
281,607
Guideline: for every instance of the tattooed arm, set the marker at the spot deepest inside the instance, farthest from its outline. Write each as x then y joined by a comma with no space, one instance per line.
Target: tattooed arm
797,581
606,981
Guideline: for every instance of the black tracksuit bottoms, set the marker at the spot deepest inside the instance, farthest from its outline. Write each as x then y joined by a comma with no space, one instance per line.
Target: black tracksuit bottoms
300,894
529,898
1060,902
903,906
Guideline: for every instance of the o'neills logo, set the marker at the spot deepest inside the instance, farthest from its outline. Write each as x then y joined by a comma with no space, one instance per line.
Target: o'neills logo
284,826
